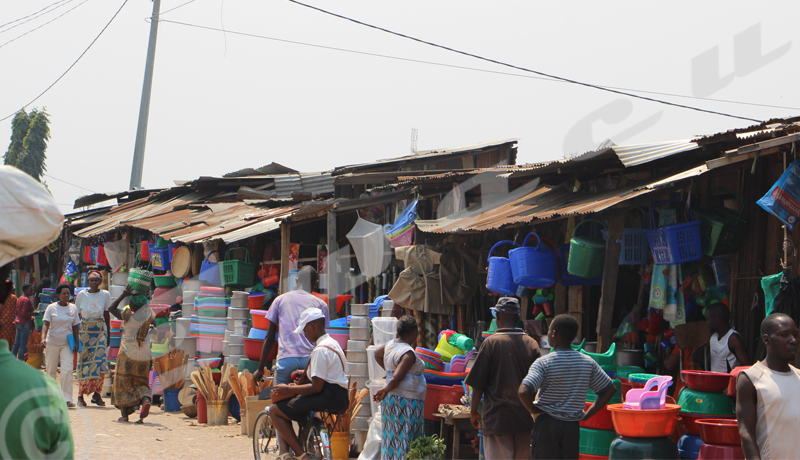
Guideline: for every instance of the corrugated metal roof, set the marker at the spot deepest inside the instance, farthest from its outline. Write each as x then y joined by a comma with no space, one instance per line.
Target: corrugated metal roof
427,154
529,203
636,154
314,182
270,169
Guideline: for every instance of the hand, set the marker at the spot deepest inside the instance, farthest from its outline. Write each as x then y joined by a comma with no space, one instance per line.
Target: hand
75,348
44,343
380,395
280,390
536,412
475,418
258,374
126,292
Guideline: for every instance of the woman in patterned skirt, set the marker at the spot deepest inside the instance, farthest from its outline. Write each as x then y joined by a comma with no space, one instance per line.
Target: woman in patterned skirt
93,306
131,385
8,311
404,394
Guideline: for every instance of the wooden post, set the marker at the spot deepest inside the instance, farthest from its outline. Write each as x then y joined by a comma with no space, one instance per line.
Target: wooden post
560,300
285,234
575,306
460,320
609,288
524,305
333,265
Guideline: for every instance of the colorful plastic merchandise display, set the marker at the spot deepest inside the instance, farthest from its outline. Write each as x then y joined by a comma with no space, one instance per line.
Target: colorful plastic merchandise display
607,360
212,307
447,350
697,405
432,360
597,433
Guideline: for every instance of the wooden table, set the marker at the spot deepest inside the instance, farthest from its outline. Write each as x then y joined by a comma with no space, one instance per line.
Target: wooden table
460,422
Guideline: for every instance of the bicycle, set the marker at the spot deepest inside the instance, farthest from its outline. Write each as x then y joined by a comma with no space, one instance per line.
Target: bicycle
265,441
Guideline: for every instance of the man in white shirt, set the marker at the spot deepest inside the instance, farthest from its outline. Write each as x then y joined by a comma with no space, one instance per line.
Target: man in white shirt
326,392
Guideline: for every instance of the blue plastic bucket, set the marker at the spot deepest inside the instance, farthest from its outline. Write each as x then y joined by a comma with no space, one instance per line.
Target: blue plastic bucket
171,403
499,280
533,266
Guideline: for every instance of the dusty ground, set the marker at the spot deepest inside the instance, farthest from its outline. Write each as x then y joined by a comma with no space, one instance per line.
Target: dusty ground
98,435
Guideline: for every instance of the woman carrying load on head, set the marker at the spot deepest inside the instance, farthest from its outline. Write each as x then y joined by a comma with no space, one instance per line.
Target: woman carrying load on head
131,384
404,394
93,305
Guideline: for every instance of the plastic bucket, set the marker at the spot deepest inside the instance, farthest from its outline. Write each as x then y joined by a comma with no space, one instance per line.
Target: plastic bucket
384,330
340,445
533,267
217,413
35,360
375,371
171,403
586,255
374,386
499,279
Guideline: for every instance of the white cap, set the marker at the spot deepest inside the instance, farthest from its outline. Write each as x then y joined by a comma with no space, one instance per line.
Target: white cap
29,215
309,315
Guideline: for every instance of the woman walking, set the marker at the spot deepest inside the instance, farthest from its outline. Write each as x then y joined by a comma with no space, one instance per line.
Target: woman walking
93,305
8,310
131,385
404,394
60,321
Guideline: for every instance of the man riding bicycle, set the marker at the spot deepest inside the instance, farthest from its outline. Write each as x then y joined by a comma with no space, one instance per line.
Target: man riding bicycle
326,392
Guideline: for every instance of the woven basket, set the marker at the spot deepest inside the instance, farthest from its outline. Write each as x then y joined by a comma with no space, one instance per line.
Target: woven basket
139,280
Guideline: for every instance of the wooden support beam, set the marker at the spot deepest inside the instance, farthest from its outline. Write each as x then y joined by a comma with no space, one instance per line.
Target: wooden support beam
333,266
286,231
560,300
605,315
575,306
524,304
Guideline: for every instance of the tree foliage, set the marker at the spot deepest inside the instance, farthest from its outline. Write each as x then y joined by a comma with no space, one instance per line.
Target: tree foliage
30,133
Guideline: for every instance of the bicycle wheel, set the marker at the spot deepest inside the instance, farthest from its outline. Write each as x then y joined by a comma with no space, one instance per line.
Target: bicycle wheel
310,438
265,442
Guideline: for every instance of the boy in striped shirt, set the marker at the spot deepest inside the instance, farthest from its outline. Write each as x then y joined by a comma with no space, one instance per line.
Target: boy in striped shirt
562,379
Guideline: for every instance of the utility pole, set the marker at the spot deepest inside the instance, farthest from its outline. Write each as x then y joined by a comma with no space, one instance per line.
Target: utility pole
144,107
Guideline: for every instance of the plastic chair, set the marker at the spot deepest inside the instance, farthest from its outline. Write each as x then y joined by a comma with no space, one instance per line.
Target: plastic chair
459,363
645,398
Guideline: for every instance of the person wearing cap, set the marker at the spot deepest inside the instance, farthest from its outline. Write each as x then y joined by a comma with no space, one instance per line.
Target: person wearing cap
500,366
31,220
93,304
326,390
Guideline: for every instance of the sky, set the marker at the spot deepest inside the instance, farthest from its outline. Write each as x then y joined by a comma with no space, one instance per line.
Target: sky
223,101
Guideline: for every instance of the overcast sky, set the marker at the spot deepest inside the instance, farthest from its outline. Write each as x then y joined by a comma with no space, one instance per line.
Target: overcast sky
222,102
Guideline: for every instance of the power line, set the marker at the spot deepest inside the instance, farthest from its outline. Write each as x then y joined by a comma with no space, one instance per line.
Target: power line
48,22
179,6
71,66
313,45
69,183
567,80
37,16
36,12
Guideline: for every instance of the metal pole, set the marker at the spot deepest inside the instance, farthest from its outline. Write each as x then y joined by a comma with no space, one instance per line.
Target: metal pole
144,107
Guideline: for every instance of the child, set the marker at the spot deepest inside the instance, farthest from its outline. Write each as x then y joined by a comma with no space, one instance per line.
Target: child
562,379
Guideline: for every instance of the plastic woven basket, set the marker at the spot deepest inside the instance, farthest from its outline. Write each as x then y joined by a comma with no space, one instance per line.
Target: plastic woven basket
139,280
237,273
677,243
499,279
634,247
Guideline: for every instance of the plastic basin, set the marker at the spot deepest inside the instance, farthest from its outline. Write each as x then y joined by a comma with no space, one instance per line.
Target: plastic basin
734,375
709,382
160,310
438,394
591,457
690,421
166,281
719,431
703,403
595,442
600,420
720,452
624,448
689,446
253,347
256,301
260,320
652,423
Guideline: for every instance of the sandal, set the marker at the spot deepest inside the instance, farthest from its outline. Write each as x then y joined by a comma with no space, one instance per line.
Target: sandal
98,401
70,405
81,402
123,420
139,422
284,456
145,410
305,454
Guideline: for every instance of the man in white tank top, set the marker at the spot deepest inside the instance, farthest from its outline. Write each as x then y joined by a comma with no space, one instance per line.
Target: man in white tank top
726,345
767,403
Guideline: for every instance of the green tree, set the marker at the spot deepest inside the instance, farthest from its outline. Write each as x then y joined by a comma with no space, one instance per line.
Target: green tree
29,135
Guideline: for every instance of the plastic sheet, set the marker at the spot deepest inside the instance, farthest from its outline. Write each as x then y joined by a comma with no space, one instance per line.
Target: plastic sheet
370,247
372,448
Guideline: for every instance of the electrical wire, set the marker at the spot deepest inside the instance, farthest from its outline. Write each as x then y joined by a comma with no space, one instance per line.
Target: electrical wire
68,183
72,65
179,6
37,16
313,45
524,69
36,12
42,25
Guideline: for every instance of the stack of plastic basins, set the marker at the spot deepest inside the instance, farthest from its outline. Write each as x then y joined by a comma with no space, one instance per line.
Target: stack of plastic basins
183,338
597,433
704,398
209,321
358,367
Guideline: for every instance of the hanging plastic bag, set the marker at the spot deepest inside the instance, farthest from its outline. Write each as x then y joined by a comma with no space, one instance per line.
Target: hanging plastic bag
116,252
101,256
783,199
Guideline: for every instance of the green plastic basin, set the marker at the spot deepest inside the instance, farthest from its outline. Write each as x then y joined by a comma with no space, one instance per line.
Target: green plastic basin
701,403
596,442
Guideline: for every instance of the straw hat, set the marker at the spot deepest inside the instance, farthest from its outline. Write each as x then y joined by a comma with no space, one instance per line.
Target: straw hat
182,262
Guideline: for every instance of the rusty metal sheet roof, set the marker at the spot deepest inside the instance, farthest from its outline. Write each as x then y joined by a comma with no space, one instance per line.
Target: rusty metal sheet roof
531,203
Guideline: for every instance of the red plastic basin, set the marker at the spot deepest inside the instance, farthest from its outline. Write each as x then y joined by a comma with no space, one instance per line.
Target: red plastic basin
591,457
720,431
253,347
651,423
690,421
600,420
720,452
255,301
439,394
159,309
710,382
734,375
260,320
